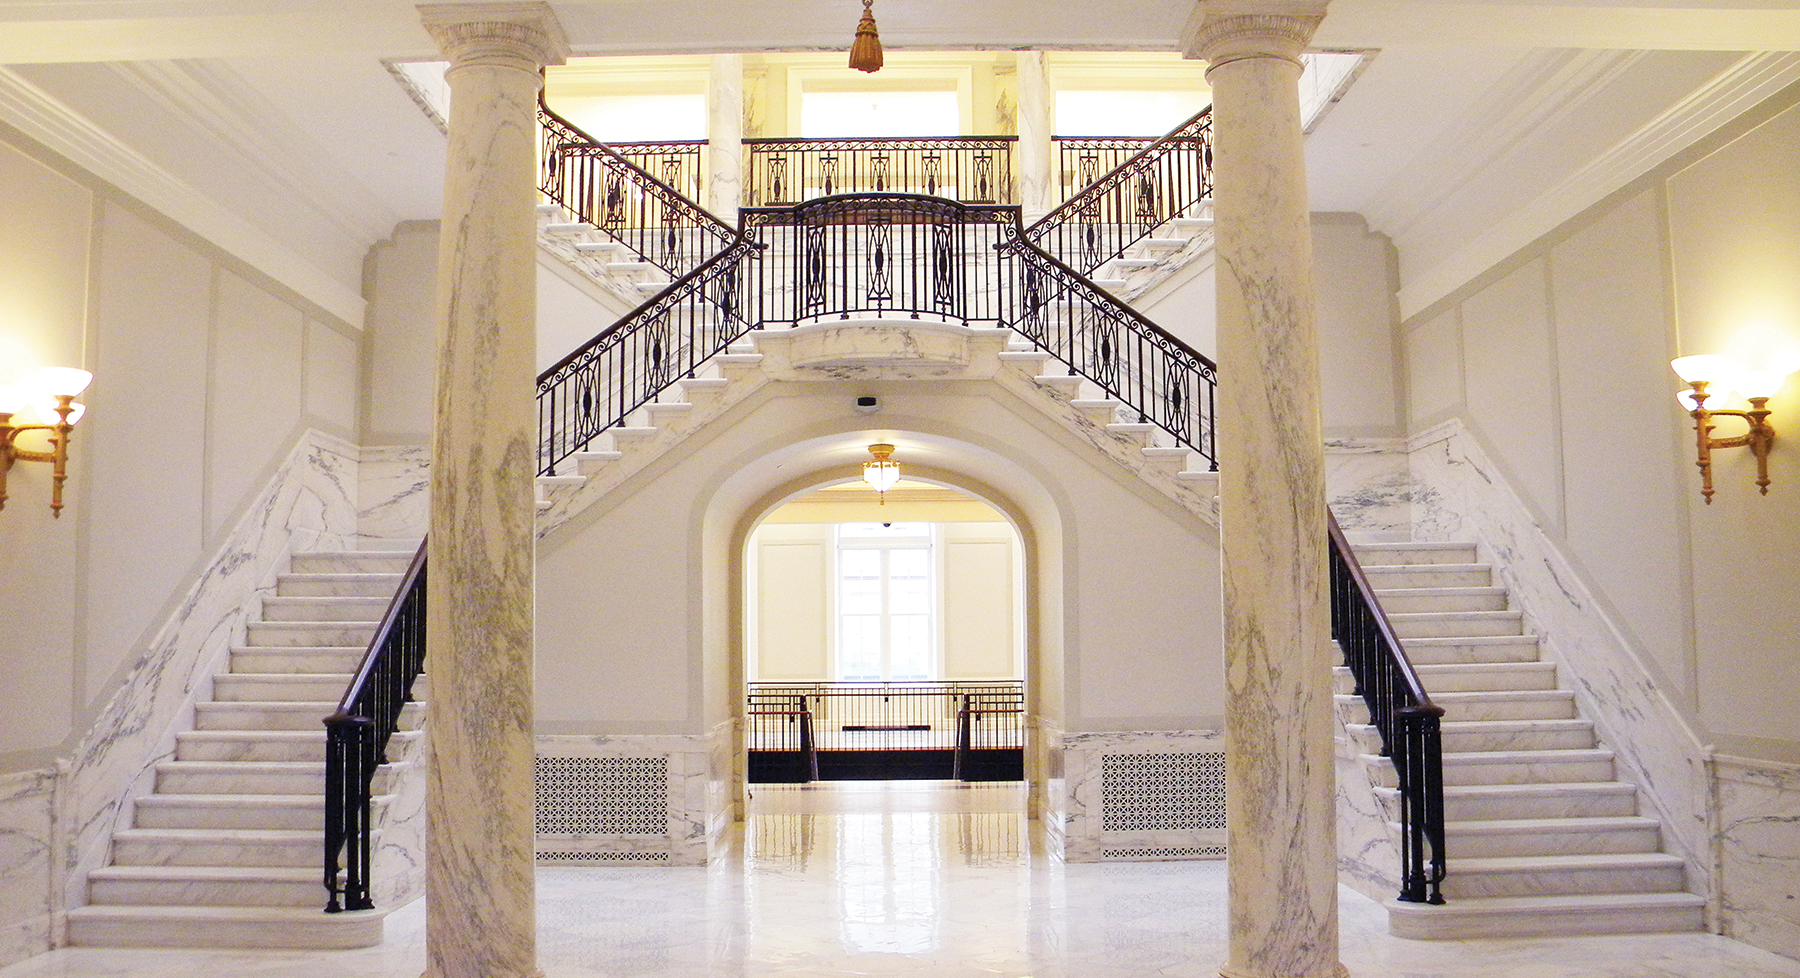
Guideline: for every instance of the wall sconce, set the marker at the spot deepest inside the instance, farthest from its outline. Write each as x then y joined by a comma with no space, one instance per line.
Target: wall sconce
60,385
1710,376
881,472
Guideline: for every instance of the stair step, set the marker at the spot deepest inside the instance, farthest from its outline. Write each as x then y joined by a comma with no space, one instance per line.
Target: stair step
240,777
599,247
1484,735
1440,599
568,227
276,715
1169,458
1136,433
1192,224
325,609
1414,552
297,658
1163,244
290,812
1548,916
1471,649
231,886
246,687
1492,876
349,562
1525,704
1551,836
216,847
251,745
337,585
225,927
1471,803
310,634
1458,624
1068,385
1475,676
1428,575
1132,264
1509,767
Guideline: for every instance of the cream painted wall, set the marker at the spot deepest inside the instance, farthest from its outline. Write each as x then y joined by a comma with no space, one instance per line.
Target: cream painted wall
206,372
1126,629
1558,362
790,570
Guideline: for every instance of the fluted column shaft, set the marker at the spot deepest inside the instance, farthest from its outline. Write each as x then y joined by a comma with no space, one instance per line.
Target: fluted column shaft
1280,788
725,135
1036,155
481,915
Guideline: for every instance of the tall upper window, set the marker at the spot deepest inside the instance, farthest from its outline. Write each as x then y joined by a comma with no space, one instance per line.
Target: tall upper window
886,603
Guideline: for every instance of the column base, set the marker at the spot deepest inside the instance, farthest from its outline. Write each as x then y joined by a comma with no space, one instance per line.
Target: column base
533,973
1226,971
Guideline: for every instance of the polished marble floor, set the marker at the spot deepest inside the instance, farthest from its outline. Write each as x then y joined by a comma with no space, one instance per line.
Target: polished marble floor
891,879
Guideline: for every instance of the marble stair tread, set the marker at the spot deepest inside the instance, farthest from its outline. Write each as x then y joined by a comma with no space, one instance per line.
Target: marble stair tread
275,714
1455,677
344,584
1456,624
1449,649
341,633
1613,872
1441,599
1470,803
297,658
324,608
1510,766
252,687
1548,916
1550,836
1410,552
224,926
216,847
1383,576
1476,735
1507,704
299,812
254,886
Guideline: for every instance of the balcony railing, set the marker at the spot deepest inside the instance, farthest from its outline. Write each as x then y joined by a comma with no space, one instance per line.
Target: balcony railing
969,169
973,731
1083,160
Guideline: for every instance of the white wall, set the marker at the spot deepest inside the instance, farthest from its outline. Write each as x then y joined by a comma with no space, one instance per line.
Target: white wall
206,373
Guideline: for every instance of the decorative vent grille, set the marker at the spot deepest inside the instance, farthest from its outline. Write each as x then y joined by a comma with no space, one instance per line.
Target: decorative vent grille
1164,852
602,796
1162,792
562,856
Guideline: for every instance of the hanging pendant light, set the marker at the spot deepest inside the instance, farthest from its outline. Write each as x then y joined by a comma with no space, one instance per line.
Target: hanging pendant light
865,51
881,472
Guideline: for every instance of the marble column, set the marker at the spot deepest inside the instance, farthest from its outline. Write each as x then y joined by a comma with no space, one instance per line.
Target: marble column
1036,155
725,135
481,913
1280,789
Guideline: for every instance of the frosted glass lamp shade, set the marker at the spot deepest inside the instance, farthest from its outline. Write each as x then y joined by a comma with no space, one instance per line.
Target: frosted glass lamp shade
1689,402
1760,383
68,381
1708,367
880,472
11,399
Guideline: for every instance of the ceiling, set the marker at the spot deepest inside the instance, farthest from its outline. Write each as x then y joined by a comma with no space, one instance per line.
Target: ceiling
274,127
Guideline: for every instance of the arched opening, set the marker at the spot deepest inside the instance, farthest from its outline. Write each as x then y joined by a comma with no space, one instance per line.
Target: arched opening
884,637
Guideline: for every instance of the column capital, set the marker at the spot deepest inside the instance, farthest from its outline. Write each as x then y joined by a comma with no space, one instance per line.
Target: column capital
518,35
1221,31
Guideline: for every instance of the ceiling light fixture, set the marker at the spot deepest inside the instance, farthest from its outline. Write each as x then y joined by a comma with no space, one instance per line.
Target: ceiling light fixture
881,472
865,51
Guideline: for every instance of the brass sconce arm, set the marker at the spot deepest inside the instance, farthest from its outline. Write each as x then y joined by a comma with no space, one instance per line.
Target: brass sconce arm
1759,438
58,456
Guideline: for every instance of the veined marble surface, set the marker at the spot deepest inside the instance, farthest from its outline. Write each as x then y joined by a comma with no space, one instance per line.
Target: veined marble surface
310,504
30,901
1370,487
919,879
394,491
1758,840
1368,853
1086,838
1461,495
725,135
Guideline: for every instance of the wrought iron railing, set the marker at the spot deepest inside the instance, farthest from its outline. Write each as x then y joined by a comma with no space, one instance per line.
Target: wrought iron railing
632,361
357,735
1168,179
621,199
886,254
1081,160
970,169
972,730
676,162
1404,714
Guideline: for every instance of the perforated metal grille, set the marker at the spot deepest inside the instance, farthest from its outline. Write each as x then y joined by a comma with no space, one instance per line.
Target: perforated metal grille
602,796
554,856
1162,792
1163,852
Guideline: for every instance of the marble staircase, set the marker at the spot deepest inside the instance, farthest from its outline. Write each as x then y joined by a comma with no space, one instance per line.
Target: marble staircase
1159,256
1542,835
765,356
226,850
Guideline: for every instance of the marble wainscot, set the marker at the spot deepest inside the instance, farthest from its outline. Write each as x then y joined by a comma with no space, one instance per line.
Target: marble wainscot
1370,487
1047,787
1461,495
1368,850
310,504
1144,795
31,900
1757,848
611,798
394,491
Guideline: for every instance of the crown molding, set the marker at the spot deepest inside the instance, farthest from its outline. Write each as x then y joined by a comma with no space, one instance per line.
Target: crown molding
42,117
1745,84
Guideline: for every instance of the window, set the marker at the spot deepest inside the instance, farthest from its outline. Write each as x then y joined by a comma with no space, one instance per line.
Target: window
887,588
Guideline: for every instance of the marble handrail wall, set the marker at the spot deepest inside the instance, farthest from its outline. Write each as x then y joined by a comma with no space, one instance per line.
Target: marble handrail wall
1458,493
1756,856
310,503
